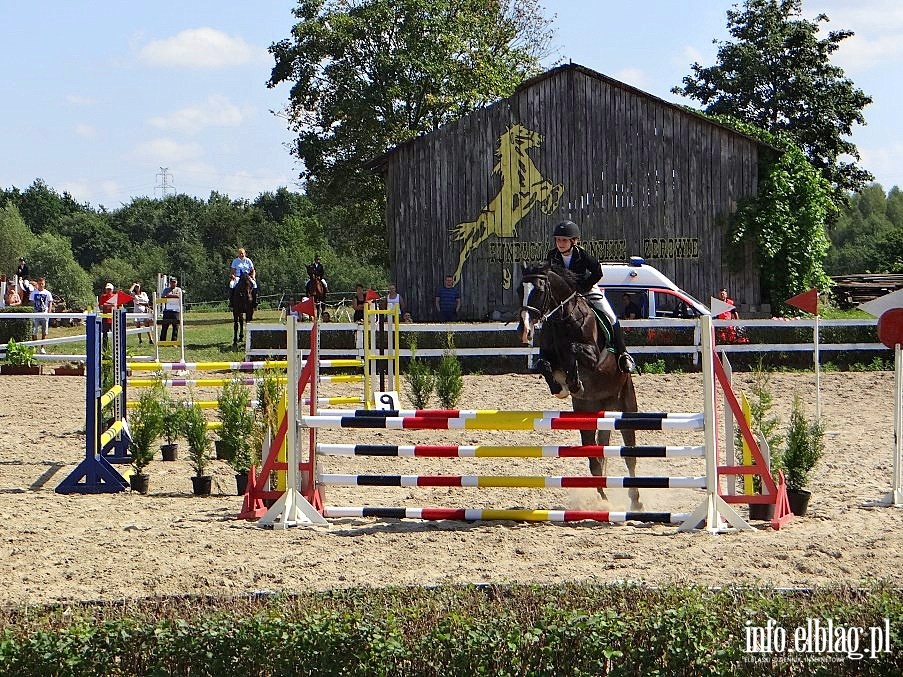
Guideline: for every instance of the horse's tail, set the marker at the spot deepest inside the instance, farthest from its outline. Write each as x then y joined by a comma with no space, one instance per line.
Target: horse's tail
473,233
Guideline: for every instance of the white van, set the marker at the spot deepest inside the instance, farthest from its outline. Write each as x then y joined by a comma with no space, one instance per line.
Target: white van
652,294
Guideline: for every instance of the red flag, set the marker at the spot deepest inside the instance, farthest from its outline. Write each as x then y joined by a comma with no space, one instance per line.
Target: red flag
807,301
305,307
890,327
372,295
120,298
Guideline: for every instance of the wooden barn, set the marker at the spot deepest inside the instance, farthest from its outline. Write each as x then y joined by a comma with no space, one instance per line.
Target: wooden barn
641,177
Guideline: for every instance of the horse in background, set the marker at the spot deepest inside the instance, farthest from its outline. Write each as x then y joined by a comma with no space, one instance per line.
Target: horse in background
316,289
573,359
242,308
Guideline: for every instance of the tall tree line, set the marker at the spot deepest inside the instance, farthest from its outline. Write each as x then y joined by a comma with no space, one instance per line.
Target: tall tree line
868,235
79,248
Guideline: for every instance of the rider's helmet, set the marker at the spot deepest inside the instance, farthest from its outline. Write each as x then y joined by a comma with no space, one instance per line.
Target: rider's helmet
567,229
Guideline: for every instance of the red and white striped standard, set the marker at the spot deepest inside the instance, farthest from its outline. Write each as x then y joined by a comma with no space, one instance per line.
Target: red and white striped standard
511,481
492,451
478,514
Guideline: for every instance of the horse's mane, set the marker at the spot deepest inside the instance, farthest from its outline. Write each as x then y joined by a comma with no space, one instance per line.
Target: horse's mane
545,267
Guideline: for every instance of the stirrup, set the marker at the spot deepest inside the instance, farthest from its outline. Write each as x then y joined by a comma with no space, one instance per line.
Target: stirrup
626,363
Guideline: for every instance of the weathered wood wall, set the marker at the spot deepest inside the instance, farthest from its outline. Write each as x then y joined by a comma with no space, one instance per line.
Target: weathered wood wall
640,176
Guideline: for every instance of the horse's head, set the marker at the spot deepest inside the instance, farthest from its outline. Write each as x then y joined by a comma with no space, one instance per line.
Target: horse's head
544,290
522,138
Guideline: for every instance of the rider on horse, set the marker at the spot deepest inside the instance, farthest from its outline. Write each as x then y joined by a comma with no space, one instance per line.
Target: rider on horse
242,265
569,255
315,272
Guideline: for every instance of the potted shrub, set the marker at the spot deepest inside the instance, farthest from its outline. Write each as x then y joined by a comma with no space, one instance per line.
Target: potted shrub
195,428
145,425
804,449
236,431
231,405
19,359
173,425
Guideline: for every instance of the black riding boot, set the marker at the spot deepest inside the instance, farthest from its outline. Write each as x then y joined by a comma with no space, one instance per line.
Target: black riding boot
254,296
231,296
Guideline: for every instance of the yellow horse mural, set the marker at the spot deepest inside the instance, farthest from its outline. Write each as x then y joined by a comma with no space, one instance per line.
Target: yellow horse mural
523,187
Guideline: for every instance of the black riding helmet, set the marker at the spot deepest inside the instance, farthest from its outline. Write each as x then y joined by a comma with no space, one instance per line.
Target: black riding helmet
567,229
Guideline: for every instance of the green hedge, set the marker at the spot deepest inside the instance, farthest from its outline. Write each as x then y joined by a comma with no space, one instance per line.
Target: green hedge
490,630
20,330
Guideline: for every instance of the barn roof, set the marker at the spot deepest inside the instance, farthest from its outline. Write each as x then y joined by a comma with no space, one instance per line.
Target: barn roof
379,162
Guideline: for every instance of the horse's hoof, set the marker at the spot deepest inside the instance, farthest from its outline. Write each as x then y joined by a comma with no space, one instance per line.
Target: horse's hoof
563,395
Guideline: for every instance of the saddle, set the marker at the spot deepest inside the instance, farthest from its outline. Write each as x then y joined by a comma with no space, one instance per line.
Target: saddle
605,340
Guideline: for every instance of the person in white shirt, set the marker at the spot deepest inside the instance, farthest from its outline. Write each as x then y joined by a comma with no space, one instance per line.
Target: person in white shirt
172,309
140,302
393,299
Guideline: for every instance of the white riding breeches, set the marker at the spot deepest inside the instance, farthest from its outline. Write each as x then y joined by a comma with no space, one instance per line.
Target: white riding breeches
234,282
596,297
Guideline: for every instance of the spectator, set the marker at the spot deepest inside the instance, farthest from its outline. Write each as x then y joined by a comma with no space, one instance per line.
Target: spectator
631,310
42,301
22,269
106,307
726,334
140,303
394,299
172,310
360,299
12,294
448,300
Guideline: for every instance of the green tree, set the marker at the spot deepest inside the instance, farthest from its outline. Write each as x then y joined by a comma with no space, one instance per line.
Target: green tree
51,258
777,75
120,272
370,74
15,238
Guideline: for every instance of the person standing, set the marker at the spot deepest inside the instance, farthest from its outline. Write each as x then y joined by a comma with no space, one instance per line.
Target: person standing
42,302
360,299
448,300
242,265
569,255
172,309
12,294
106,308
394,299
727,334
140,303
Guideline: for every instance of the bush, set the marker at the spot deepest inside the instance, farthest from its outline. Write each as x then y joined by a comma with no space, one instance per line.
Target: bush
196,436
449,384
145,426
805,446
20,329
420,380
19,355
237,421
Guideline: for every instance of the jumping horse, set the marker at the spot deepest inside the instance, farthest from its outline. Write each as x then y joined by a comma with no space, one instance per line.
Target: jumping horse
242,308
316,289
573,359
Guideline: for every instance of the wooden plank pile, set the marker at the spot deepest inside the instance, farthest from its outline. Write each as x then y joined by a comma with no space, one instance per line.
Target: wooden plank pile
851,290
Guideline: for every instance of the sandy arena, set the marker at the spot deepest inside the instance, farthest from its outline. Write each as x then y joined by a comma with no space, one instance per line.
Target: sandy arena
108,547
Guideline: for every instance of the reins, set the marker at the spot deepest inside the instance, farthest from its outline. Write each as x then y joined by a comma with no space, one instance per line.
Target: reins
545,316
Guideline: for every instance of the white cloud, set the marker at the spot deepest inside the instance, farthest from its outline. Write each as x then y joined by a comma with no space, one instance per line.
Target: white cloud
247,185
217,111
166,151
86,131
200,48
877,26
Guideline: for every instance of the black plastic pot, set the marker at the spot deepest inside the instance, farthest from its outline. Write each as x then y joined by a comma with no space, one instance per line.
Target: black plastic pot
139,483
799,501
202,485
241,482
170,451
761,511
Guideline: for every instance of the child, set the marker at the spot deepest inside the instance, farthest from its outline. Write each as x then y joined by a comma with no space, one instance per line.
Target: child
42,301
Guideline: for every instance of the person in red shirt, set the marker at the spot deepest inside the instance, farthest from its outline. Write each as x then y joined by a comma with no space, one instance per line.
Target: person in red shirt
106,307
727,334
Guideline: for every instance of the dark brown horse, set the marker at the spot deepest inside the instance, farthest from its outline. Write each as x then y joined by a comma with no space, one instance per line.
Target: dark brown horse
242,308
573,359
316,289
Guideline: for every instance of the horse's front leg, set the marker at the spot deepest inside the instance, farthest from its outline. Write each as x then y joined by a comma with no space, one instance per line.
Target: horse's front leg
569,366
633,493
596,463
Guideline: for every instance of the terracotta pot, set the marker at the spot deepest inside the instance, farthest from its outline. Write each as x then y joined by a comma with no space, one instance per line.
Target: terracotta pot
139,482
202,485
20,370
170,451
799,501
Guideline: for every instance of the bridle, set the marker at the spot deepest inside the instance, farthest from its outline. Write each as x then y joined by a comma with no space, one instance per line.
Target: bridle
544,313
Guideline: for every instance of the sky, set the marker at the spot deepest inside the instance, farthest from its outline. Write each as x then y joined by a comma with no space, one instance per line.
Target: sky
116,100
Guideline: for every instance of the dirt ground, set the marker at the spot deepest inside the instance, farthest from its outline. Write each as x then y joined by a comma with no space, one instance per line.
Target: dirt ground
115,546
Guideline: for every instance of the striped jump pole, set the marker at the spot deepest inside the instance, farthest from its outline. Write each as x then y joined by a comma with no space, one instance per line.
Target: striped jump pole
511,481
480,514
195,382
506,421
207,366
489,451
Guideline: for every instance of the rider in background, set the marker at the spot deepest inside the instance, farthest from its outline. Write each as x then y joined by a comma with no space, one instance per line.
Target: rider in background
242,265
569,255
